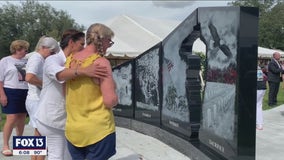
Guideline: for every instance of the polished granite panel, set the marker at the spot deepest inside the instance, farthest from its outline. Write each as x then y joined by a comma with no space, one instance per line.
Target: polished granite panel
228,109
148,86
166,90
181,103
123,76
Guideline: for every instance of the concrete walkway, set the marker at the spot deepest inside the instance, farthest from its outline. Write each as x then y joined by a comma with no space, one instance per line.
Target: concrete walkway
270,140
132,145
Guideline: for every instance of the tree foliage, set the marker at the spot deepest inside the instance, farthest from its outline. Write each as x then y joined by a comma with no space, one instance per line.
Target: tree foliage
272,28
263,5
271,21
29,21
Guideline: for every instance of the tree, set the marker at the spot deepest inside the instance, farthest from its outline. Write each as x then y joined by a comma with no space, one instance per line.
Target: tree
272,28
263,5
29,21
271,21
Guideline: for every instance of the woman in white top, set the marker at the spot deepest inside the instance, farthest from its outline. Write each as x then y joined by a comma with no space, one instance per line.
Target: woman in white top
34,71
51,115
13,91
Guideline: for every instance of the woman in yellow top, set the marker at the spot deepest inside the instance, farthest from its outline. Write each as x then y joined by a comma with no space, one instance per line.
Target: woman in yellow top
90,127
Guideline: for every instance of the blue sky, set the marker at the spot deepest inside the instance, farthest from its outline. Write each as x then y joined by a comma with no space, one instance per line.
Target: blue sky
88,12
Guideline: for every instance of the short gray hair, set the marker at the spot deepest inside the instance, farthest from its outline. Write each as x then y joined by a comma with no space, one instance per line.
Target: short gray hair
50,43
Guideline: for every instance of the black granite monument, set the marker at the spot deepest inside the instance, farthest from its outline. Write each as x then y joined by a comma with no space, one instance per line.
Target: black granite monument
147,86
165,88
228,108
181,82
123,76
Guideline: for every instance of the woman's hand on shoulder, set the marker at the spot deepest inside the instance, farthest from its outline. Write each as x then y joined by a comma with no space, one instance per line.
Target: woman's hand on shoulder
95,70
102,68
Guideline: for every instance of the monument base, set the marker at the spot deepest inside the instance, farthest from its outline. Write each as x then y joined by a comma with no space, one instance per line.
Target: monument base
188,148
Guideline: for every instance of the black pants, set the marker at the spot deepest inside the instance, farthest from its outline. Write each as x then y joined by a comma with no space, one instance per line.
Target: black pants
273,91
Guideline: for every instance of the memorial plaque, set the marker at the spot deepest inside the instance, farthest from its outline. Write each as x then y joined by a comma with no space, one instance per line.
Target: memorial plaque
123,76
147,86
181,101
228,115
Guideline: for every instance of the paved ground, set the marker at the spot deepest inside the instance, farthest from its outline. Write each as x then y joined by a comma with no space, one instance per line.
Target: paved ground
132,145
270,140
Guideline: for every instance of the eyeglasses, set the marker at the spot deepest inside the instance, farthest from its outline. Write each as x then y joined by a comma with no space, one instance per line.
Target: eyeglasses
107,41
52,52
111,42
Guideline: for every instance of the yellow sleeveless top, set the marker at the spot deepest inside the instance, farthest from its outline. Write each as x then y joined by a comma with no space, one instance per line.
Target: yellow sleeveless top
88,120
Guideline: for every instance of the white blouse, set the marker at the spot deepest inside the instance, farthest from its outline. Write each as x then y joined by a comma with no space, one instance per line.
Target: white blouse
51,111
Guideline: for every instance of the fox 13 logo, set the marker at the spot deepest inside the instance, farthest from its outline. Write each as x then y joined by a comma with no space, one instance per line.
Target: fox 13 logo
29,145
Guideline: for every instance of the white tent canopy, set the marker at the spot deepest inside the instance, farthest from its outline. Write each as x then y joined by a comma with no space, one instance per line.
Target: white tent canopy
267,53
134,35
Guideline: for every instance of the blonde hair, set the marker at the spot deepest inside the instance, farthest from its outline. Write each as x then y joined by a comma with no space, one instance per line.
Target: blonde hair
19,45
96,33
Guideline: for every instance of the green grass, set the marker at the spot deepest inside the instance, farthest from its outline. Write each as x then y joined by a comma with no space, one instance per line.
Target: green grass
3,116
280,98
